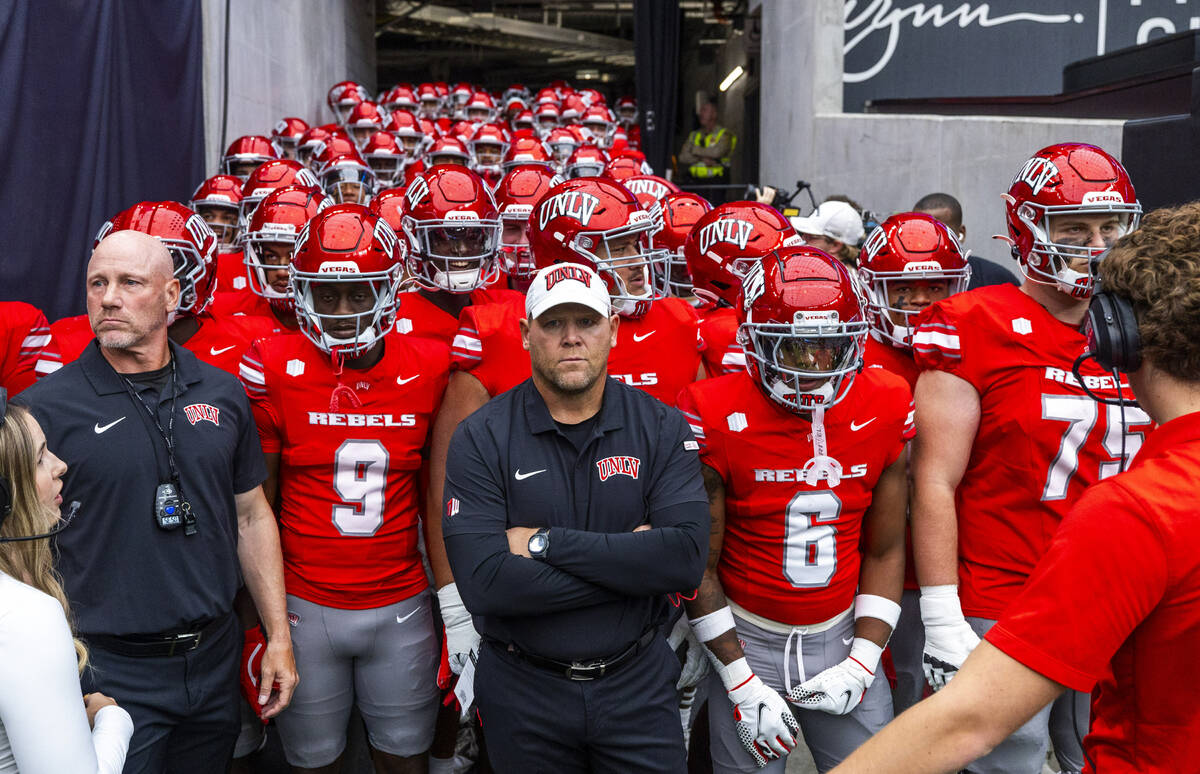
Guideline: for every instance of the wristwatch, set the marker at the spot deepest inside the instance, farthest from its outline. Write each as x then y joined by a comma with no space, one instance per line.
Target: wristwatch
539,543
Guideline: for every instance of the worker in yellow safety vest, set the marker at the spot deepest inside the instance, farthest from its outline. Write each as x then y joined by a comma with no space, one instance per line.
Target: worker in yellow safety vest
706,152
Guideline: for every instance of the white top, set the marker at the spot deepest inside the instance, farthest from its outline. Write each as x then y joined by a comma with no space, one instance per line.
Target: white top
43,724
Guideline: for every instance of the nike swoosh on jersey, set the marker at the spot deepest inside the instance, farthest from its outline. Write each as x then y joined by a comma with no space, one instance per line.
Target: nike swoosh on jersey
410,615
642,337
855,426
401,380
214,351
101,428
518,475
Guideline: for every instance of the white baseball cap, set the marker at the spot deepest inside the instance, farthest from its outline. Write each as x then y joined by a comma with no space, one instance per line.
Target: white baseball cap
836,220
566,283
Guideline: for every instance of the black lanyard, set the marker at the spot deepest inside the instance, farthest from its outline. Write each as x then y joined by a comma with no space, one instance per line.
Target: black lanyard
168,435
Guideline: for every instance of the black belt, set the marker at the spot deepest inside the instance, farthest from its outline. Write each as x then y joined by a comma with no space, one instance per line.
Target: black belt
589,670
164,644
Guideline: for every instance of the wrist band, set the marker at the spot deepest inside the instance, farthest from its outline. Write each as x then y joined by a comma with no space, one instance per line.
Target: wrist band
735,674
713,624
866,653
876,607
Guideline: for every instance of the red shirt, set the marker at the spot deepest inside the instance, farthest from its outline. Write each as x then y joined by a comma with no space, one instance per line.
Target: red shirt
1041,440
1115,604
349,480
68,338
24,334
791,551
722,353
659,352
231,273
419,317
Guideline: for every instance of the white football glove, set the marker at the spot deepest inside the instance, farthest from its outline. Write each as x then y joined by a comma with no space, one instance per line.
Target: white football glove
765,725
461,638
839,689
949,639
695,663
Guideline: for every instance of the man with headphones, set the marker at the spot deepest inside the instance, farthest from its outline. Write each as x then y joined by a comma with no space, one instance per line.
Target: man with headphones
1114,606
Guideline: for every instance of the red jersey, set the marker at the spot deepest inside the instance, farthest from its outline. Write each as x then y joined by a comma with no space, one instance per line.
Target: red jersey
1115,604
722,353
25,334
659,352
791,550
419,317
880,354
68,338
231,273
1041,439
221,341
250,305
349,481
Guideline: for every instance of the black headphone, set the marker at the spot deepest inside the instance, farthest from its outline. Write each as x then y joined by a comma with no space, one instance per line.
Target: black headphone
1112,333
5,486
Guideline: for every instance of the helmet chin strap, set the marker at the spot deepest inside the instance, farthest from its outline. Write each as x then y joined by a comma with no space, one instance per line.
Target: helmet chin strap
821,465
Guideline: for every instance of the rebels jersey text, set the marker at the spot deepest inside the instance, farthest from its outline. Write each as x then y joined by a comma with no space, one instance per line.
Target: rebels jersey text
349,479
791,550
658,353
1041,440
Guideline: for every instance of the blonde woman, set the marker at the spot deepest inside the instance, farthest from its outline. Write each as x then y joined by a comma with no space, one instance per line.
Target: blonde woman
44,719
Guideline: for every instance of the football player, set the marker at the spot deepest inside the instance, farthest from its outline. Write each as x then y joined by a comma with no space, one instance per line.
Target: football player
681,211
907,263
1007,438
343,410
806,558
25,333
516,194
245,154
721,247
453,229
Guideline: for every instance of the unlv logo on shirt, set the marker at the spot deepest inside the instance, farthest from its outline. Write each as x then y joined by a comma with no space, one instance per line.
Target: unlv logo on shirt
729,230
202,411
573,204
1036,173
618,466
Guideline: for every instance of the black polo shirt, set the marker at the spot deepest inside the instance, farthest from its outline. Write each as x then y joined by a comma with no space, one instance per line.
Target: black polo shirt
122,573
601,585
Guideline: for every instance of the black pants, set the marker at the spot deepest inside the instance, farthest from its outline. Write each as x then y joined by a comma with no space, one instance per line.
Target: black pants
184,707
536,722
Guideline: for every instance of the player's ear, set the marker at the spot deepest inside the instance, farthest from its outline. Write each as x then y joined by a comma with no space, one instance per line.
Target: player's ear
614,322
525,333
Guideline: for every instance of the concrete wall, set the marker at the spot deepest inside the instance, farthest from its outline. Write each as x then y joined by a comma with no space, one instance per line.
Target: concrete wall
887,162
283,57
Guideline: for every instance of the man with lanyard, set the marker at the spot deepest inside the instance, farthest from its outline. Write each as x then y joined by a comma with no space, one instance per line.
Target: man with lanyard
706,152
177,516
574,509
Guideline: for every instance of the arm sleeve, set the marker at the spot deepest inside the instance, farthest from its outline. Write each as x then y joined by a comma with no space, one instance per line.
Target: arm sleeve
491,580
718,150
1077,610
33,337
687,154
938,343
467,350
41,705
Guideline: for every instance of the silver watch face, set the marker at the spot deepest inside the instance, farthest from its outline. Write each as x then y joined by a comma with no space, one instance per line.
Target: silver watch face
537,544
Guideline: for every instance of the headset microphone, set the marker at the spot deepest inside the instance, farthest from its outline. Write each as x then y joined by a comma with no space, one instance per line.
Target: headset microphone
63,523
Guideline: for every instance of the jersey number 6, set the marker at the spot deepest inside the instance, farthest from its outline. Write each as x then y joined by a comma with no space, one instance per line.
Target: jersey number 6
810,543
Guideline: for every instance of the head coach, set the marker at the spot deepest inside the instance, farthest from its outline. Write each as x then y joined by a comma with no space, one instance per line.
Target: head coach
574,510
1114,605
164,456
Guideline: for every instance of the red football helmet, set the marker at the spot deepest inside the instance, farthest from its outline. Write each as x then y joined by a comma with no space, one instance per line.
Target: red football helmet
572,109
347,178
385,156
342,98
448,150
803,326
546,95
408,131
627,110
401,98
592,97
598,124
453,226
278,220
680,211
527,150
246,153
547,116
312,141
727,241
1060,185
216,200
589,221
430,100
524,120
459,96
562,142
267,178
365,119
624,167
389,205
488,146
192,244
480,108
586,161
649,189
346,244
908,248
516,194
286,136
